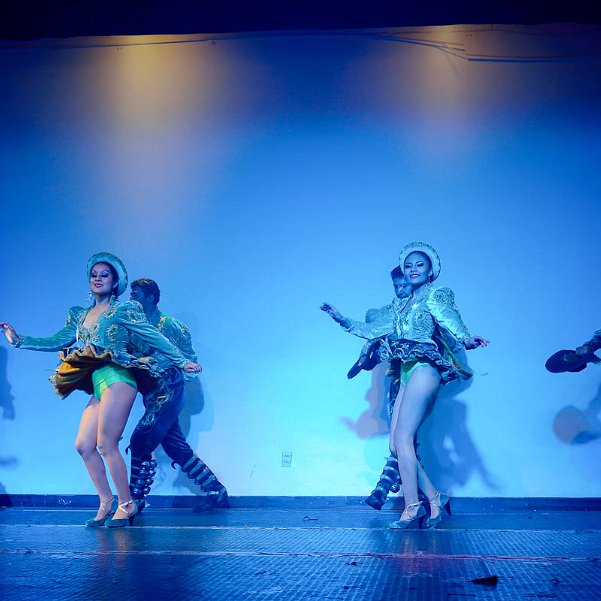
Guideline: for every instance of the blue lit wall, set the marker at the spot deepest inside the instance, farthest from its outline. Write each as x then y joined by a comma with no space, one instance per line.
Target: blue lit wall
256,176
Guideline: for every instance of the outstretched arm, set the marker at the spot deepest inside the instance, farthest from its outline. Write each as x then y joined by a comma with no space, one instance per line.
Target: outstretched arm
133,318
335,315
65,337
442,306
374,329
474,342
591,345
9,332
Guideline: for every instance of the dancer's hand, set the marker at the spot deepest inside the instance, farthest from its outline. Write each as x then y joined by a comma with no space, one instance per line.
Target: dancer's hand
583,350
474,342
9,332
192,368
332,312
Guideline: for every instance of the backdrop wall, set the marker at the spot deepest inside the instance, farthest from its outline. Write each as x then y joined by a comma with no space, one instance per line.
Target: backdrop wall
256,176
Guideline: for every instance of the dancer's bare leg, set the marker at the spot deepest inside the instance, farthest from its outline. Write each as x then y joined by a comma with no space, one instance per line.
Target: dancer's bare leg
394,418
86,445
419,392
115,407
423,480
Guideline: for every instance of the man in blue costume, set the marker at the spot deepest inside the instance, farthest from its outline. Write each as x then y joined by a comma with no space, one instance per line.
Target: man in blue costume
592,345
160,422
375,351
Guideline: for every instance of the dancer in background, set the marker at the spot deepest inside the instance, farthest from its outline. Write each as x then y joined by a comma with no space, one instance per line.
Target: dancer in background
377,351
102,365
160,422
590,346
425,365
568,360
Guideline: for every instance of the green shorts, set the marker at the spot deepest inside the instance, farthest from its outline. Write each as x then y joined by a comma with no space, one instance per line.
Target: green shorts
408,368
106,375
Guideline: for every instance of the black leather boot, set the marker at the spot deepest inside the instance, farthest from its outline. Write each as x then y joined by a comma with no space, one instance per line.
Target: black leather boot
390,481
143,470
215,496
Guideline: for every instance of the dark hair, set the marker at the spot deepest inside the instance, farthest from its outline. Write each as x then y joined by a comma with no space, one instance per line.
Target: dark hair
148,287
396,273
115,279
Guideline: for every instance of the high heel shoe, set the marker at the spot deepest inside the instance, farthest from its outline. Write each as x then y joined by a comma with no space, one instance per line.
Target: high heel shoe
121,522
441,501
95,523
405,522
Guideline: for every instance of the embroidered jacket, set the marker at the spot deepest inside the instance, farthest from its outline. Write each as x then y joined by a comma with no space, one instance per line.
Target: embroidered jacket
595,341
175,331
116,330
417,320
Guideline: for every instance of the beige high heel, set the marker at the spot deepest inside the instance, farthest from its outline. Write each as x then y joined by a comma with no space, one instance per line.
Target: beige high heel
121,522
441,501
405,522
109,506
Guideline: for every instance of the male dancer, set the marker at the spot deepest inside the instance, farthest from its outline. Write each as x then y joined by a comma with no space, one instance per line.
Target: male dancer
159,424
390,479
592,345
374,352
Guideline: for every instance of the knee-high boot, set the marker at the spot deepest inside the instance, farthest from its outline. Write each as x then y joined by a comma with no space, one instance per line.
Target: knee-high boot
390,480
216,494
143,470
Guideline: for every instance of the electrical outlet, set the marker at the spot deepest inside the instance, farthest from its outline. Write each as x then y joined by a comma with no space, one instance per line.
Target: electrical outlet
286,458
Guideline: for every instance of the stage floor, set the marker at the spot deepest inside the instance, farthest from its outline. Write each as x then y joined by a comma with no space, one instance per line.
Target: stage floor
344,553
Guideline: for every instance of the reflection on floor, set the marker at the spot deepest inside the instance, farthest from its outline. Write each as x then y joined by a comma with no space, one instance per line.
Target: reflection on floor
269,553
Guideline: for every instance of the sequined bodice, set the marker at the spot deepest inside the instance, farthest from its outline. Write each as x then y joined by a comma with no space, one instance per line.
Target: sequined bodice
417,319
105,332
114,330
174,330
413,320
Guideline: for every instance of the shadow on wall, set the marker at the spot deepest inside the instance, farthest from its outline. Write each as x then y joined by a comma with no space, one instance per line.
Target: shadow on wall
576,426
7,408
6,398
375,420
446,448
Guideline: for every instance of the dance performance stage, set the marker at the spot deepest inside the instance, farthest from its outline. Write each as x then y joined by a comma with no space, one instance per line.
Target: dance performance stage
257,170
320,548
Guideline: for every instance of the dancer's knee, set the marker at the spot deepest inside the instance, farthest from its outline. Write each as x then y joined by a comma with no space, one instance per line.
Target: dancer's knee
84,447
403,436
108,446
85,450
403,444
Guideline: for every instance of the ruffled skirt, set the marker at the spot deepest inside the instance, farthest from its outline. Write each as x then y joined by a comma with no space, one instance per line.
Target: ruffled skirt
77,366
438,356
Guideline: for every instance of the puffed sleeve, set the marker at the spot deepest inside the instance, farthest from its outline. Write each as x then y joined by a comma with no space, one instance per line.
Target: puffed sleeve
441,304
179,334
64,338
131,316
382,326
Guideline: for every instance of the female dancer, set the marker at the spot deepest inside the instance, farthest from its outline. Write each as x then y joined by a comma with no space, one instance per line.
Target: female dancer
417,324
103,366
